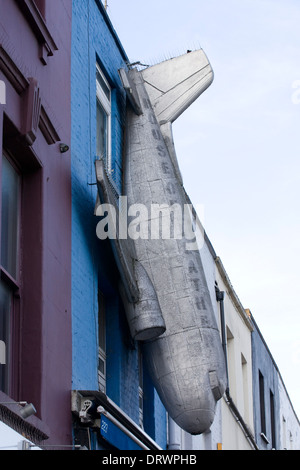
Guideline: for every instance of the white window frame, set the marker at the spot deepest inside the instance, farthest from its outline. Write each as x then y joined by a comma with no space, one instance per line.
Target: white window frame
106,104
102,342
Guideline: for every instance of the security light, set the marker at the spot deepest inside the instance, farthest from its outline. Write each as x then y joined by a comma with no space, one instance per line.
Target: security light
64,148
27,410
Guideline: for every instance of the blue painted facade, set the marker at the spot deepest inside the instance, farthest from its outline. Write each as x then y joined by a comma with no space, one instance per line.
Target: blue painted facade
93,266
266,399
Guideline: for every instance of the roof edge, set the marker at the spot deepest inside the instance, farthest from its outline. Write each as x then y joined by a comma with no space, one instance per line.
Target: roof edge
112,29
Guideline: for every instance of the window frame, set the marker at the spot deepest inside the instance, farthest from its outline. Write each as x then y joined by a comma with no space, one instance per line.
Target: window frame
106,104
11,282
9,277
101,344
273,420
262,403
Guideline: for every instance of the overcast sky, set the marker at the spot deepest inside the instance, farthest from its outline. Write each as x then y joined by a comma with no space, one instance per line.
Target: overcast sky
238,145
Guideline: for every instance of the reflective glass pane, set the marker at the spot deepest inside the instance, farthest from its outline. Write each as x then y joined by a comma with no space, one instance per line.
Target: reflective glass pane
103,85
102,128
101,366
5,306
10,218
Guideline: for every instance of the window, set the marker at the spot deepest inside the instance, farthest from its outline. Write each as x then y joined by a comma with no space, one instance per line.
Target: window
291,440
141,388
272,414
284,433
231,362
10,237
245,387
262,404
102,343
10,218
103,119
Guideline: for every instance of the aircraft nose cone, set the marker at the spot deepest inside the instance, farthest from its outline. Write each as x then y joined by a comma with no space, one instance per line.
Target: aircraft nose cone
196,421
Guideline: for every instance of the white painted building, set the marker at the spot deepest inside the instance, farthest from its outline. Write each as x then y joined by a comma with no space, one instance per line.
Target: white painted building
233,427
289,424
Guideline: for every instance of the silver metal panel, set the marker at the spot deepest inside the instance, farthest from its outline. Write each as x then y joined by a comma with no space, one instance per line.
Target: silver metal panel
186,360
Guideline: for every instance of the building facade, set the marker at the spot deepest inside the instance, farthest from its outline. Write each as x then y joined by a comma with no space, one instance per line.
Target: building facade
236,330
108,365
265,394
289,437
276,423
233,427
35,192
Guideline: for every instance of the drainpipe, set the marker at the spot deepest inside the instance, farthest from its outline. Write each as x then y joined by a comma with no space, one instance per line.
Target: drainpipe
220,295
174,435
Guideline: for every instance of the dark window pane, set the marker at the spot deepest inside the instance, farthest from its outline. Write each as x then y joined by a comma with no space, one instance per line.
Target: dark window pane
10,218
262,403
101,366
273,424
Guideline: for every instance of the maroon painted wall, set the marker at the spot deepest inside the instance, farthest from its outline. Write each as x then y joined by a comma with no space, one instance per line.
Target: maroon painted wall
31,49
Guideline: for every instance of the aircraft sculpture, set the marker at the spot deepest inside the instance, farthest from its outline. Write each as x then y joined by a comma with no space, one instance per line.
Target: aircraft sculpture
164,288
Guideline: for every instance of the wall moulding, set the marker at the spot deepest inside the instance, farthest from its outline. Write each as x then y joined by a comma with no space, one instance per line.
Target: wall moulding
12,71
21,84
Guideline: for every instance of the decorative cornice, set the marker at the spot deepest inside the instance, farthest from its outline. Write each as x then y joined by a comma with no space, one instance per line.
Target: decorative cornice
32,111
12,72
22,85
47,128
39,28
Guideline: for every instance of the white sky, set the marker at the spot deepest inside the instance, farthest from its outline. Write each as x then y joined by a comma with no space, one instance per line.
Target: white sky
238,145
